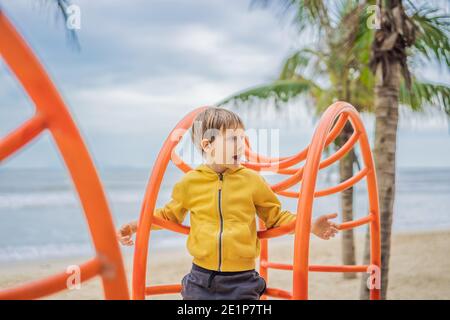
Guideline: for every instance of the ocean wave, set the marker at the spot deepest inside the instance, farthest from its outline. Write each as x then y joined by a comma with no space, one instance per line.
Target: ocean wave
36,199
10,254
32,252
60,199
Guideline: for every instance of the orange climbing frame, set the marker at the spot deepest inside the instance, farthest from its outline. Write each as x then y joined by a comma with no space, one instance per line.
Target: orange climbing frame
52,115
329,127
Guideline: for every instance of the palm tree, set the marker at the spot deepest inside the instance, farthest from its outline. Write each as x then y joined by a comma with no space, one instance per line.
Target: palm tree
340,59
424,30
406,33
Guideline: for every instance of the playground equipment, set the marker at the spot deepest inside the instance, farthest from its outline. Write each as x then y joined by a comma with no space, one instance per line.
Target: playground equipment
329,127
52,114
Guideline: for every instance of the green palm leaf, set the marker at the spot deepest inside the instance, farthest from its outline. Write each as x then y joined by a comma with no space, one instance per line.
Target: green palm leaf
433,30
424,94
281,91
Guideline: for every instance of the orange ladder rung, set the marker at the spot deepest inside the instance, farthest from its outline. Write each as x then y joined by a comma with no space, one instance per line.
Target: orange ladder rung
341,268
163,289
278,293
21,136
316,268
331,190
172,226
356,223
298,176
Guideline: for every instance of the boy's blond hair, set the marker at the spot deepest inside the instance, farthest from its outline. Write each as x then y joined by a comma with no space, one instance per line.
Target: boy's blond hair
212,120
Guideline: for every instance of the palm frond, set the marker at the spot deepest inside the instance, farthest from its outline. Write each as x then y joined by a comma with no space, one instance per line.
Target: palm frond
305,13
280,91
291,67
297,63
433,31
362,94
423,94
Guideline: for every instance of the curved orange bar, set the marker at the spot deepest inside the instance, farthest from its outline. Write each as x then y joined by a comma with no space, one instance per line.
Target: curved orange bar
338,188
53,115
272,163
21,136
50,285
297,177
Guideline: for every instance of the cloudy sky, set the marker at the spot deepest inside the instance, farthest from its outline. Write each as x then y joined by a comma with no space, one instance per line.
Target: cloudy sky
144,64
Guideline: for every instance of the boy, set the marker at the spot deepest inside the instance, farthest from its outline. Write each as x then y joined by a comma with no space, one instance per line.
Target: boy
222,197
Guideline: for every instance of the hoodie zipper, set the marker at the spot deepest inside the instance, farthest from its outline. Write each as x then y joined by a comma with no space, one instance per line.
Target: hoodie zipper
221,219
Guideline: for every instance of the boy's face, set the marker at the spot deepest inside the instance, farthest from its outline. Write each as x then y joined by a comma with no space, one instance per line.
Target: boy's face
227,148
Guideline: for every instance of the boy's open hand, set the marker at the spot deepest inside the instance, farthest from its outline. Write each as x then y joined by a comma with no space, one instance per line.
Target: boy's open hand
124,235
323,228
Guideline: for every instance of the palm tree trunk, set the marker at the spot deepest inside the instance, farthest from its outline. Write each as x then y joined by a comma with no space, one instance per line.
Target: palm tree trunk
386,112
346,172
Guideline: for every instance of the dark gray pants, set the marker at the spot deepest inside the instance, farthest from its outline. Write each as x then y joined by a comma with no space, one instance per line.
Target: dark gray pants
204,284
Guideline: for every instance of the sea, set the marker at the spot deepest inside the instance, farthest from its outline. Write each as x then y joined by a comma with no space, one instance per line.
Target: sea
41,216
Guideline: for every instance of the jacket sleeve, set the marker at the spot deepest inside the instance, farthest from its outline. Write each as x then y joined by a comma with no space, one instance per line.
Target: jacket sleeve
175,209
268,207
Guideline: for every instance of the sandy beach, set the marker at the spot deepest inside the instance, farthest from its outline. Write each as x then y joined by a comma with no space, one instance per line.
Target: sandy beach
419,269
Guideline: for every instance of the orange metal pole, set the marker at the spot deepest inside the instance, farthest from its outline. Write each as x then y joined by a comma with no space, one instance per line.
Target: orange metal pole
263,257
372,189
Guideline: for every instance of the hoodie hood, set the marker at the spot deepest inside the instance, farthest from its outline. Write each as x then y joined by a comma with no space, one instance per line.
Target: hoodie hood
207,170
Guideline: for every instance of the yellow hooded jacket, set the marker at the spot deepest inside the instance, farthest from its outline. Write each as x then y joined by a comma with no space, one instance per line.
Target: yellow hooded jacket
222,210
